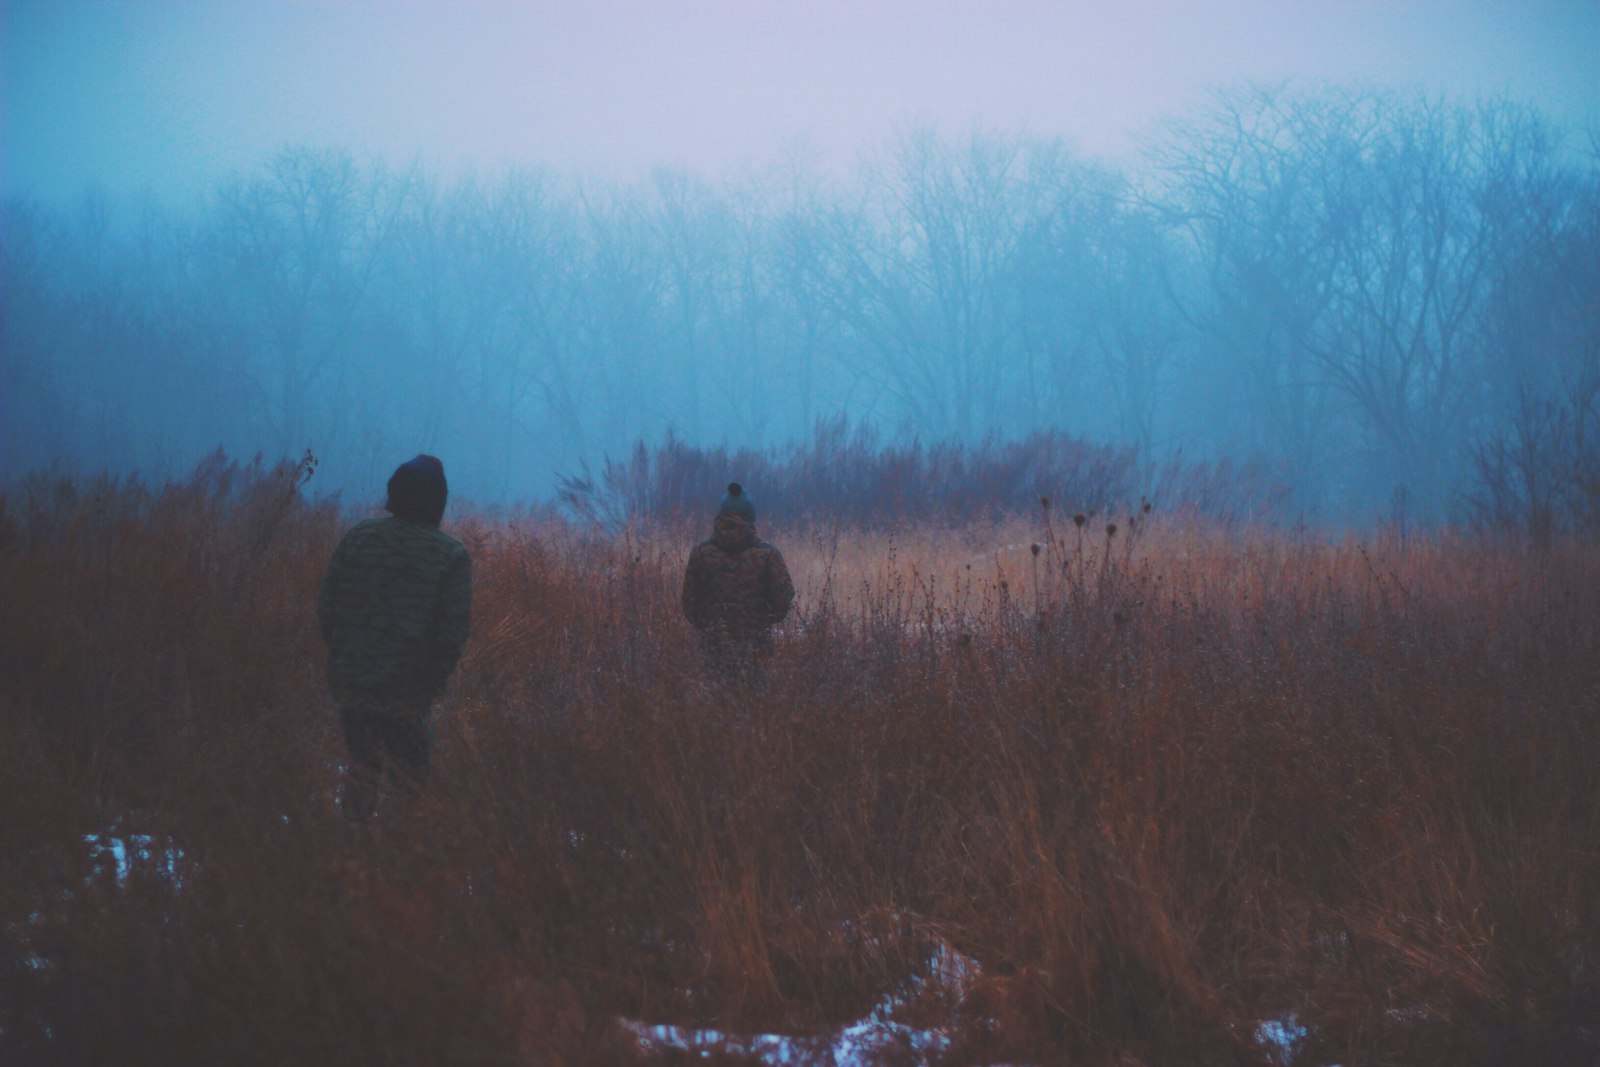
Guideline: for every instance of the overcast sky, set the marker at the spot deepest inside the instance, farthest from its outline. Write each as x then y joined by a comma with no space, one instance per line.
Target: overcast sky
172,96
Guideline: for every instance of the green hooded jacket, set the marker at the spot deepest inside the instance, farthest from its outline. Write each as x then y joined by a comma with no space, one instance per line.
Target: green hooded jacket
394,609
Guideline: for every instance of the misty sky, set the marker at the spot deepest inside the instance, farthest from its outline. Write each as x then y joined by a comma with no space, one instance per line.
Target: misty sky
172,96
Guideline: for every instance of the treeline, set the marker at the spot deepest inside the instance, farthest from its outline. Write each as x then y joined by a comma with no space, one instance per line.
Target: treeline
1393,298
847,475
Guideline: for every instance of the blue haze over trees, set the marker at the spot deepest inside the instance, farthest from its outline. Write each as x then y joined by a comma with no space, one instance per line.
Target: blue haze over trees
1392,300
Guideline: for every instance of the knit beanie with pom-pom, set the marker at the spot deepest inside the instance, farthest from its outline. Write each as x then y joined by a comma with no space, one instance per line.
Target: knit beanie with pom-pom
739,502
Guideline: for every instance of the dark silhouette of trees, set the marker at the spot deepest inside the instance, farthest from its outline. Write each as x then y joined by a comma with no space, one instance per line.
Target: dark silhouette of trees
1349,243
300,243
1537,450
923,273
1391,299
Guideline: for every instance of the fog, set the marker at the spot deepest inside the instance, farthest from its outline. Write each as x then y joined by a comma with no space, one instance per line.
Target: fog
1358,242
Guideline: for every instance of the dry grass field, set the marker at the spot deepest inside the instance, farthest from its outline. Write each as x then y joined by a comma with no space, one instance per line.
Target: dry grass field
1151,787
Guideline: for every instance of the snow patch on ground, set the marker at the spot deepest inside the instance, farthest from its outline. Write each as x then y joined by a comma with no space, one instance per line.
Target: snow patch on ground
878,1037
1280,1036
120,854
873,1039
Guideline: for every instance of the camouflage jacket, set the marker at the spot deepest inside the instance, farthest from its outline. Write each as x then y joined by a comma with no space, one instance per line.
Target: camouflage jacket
736,586
394,609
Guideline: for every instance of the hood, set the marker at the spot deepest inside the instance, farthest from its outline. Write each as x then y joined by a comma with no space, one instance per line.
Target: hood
417,490
733,533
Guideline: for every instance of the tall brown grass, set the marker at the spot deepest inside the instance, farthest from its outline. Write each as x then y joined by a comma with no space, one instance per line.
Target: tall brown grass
1157,784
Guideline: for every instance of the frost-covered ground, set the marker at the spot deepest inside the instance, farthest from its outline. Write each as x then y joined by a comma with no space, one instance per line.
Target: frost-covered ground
877,1037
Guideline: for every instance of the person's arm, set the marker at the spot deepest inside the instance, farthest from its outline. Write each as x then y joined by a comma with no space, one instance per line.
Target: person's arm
328,593
694,590
455,619
780,589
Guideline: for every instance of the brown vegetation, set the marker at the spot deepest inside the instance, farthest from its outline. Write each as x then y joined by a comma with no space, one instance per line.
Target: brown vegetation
1157,784
863,481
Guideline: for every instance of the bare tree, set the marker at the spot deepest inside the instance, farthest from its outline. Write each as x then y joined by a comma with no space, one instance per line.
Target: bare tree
35,321
468,285
1350,240
1536,453
1100,330
925,273
301,242
1408,214
1235,183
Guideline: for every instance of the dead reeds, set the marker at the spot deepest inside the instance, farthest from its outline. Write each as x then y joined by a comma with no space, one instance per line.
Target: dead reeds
1151,787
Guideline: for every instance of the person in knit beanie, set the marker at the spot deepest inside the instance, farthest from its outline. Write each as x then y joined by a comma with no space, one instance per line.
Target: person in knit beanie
417,490
394,608
736,588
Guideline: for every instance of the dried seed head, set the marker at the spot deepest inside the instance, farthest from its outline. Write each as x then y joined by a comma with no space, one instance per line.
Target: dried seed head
1111,529
1079,519
1035,548
1044,502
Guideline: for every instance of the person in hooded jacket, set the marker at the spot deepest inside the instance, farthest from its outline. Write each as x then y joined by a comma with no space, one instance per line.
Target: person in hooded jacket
736,587
394,609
